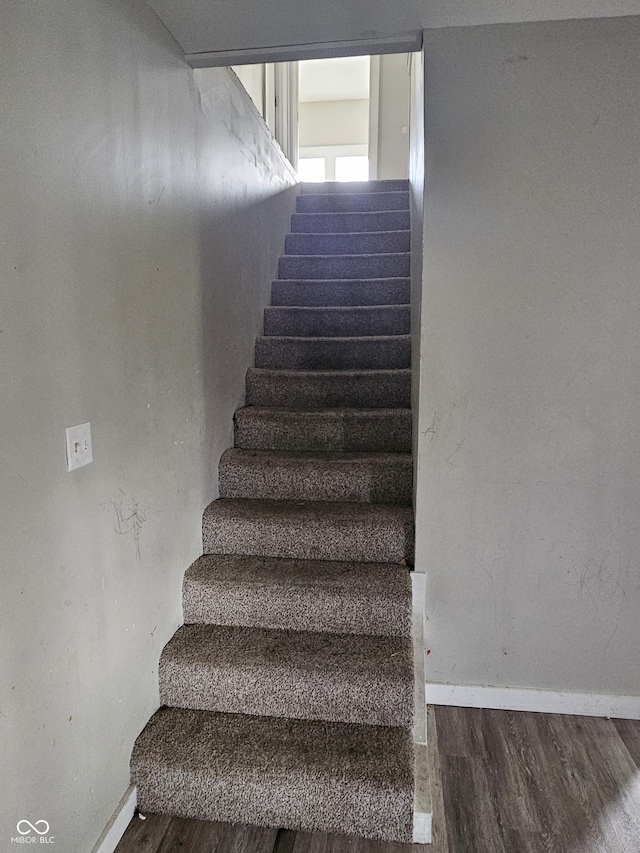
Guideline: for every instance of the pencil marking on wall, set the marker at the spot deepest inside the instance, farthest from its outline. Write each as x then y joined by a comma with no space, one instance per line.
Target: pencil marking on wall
457,448
128,517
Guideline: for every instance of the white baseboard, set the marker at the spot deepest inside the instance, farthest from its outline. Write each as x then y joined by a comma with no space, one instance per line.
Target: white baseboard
115,829
542,701
422,828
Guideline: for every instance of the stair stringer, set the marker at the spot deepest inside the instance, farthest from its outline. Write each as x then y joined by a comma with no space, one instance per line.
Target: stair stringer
422,809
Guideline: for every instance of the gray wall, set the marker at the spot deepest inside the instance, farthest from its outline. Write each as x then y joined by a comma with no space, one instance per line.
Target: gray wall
210,25
140,224
529,470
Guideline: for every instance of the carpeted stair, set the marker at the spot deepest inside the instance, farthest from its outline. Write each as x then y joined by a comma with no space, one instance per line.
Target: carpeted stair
288,694
319,389
298,595
353,477
347,430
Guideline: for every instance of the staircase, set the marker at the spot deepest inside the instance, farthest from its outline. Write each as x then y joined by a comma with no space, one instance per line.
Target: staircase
288,694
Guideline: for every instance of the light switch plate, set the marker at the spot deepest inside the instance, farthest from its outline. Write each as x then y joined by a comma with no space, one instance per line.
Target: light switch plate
79,448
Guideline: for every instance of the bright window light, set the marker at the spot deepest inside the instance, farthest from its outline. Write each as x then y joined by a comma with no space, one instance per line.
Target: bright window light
311,169
352,168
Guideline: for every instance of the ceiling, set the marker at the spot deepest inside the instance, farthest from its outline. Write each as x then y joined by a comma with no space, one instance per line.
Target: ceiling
344,79
246,26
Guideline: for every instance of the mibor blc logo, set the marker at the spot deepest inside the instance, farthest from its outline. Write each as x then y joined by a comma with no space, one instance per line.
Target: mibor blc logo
33,833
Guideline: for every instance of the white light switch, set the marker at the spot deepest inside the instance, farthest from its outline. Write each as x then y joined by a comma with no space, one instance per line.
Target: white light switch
79,450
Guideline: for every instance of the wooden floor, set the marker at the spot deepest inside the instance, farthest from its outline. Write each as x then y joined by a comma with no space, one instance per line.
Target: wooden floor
503,782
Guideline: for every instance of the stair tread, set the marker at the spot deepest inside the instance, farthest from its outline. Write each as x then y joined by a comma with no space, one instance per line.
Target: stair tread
356,373
317,776
339,309
329,389
337,411
349,292
312,430
330,476
336,266
348,234
309,529
307,595
355,256
325,457
354,678
334,339
343,513
389,200
328,187
358,193
333,352
348,243
347,222
337,320
385,279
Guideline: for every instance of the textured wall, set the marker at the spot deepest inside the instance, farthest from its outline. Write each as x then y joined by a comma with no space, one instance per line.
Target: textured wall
529,480
140,224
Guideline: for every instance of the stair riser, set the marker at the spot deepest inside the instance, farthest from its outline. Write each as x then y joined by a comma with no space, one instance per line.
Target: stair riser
348,244
179,688
389,541
360,390
337,322
391,353
253,672
344,266
344,223
346,431
350,187
303,595
317,480
393,291
356,202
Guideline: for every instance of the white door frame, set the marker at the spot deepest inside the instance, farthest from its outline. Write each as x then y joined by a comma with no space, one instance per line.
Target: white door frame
286,109
293,52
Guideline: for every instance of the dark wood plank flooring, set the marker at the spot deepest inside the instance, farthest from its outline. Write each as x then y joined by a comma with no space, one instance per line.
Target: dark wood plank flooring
502,782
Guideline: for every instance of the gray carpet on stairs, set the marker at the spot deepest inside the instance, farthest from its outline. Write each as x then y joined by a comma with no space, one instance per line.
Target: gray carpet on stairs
327,389
344,266
299,595
391,352
317,776
350,223
309,530
348,244
379,478
338,321
385,185
324,430
290,688
363,291
354,202
344,678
